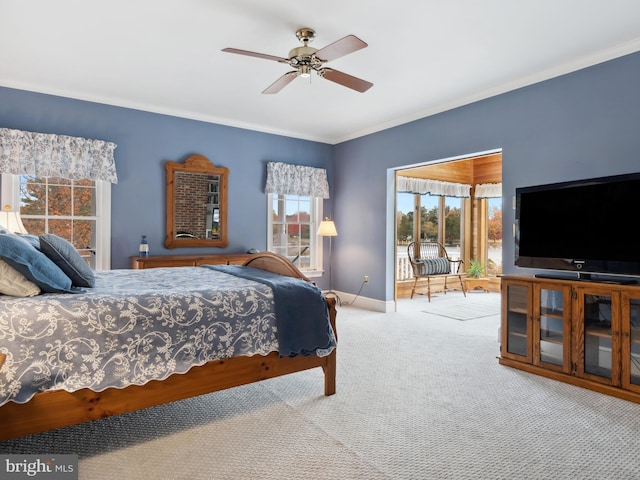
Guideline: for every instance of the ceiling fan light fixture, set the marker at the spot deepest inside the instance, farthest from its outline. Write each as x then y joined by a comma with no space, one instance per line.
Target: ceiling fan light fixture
305,71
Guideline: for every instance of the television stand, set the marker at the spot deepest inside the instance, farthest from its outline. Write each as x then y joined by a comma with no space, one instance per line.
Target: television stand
575,331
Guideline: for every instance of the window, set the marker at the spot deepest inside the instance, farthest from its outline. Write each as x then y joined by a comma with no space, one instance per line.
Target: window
292,225
430,227
494,236
76,210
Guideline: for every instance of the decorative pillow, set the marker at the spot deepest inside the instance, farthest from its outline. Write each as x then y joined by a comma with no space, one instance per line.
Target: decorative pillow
13,283
32,239
435,266
65,256
33,264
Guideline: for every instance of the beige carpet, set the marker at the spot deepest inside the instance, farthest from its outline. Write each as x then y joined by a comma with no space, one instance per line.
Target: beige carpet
419,397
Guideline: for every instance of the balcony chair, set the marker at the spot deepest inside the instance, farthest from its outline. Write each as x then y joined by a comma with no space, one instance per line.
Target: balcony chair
429,260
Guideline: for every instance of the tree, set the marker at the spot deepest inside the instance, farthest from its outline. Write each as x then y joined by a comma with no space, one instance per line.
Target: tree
429,229
57,198
404,224
452,226
495,225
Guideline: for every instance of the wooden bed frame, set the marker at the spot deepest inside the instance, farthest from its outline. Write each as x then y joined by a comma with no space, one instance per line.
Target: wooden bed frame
55,409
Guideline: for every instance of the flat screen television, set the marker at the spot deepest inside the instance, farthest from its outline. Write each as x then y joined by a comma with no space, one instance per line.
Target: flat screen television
585,226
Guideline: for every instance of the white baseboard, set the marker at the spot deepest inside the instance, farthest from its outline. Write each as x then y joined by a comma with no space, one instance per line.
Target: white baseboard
348,299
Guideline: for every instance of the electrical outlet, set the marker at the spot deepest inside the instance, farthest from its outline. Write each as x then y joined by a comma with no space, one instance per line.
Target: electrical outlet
366,279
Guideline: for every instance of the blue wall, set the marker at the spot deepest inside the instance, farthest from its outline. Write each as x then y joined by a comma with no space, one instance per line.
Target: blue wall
579,125
584,124
146,141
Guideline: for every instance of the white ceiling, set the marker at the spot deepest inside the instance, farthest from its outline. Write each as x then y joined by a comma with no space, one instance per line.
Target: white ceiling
424,56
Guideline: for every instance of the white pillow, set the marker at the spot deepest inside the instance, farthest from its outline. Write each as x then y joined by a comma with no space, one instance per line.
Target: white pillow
13,283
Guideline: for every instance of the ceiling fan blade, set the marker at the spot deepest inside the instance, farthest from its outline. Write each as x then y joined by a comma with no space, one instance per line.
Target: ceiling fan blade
346,80
282,82
340,48
255,54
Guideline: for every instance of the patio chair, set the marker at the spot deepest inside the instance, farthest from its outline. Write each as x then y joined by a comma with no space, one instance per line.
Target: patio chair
429,260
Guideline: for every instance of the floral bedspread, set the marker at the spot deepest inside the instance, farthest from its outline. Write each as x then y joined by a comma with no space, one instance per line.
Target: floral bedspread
135,326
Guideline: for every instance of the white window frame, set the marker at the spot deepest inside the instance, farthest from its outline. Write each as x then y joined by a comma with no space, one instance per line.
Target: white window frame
316,242
11,196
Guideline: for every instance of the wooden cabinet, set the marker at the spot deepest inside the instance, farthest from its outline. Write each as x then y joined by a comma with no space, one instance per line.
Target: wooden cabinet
536,324
583,333
630,342
188,260
517,321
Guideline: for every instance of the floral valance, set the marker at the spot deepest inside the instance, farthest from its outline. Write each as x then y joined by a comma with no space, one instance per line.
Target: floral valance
50,155
287,179
488,190
425,186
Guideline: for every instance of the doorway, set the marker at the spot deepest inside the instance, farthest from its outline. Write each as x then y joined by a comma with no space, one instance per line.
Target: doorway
469,227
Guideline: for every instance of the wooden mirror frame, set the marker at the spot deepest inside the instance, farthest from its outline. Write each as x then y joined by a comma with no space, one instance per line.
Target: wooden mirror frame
197,164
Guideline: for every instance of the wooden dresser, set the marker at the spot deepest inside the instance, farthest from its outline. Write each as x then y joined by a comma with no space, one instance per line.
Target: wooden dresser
156,261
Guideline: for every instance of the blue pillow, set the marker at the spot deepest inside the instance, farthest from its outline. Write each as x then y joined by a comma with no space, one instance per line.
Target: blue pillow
32,239
65,256
34,265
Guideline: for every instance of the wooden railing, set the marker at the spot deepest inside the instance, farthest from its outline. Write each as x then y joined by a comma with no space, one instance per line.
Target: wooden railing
403,268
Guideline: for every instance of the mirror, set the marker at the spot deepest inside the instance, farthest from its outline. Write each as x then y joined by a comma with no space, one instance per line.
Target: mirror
196,204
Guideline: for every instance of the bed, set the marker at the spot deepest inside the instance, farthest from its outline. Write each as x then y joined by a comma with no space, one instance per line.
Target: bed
198,353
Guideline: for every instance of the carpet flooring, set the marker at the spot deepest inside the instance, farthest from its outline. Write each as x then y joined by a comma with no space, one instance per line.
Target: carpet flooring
418,397
475,305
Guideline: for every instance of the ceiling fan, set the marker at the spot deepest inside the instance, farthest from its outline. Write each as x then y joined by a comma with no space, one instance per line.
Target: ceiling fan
305,59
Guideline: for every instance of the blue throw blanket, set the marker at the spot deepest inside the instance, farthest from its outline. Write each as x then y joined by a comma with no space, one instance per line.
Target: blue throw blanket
302,315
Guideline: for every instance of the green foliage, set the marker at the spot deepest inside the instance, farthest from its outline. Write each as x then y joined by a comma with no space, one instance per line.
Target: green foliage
476,269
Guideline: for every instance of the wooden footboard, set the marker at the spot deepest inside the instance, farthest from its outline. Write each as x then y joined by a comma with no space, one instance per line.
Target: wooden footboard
55,409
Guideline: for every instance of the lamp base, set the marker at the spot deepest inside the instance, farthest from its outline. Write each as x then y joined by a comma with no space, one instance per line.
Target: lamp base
333,294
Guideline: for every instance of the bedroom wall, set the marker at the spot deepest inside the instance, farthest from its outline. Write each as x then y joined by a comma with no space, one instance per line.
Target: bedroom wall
584,124
579,125
145,142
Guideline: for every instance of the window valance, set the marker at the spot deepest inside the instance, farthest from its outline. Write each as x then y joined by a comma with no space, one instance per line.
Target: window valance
50,155
425,186
287,179
488,190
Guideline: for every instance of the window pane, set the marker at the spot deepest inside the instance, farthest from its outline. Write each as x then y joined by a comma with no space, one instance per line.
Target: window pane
84,201
84,239
59,201
61,228
33,198
404,219
429,216
35,226
83,234
494,234
453,226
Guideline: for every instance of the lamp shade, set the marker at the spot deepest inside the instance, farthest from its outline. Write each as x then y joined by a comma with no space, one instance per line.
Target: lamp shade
11,221
327,228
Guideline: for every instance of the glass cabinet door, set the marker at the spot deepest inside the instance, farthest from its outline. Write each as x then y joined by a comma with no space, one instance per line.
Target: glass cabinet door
634,334
552,328
598,314
516,315
631,342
